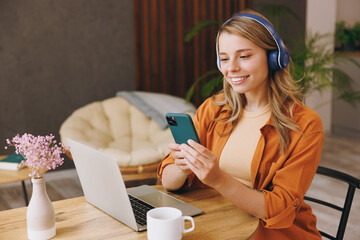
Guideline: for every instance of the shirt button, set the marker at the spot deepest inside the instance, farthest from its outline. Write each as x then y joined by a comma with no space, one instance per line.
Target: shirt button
295,204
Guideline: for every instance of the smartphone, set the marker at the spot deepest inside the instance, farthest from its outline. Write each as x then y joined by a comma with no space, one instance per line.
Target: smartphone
182,127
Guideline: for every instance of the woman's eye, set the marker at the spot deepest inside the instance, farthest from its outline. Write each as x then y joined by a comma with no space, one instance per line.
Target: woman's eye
223,59
244,56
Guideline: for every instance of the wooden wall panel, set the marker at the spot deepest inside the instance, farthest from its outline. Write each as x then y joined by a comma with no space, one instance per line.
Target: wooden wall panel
164,61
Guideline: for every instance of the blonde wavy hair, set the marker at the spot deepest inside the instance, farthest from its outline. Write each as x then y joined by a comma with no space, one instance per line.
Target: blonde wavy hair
283,93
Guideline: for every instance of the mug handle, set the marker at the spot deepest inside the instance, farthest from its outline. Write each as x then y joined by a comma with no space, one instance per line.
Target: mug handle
192,224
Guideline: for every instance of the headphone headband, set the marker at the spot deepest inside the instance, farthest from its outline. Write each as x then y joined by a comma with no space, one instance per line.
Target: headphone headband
277,59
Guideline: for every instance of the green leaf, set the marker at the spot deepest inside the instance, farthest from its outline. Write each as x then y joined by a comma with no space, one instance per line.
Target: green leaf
191,91
212,86
198,27
351,97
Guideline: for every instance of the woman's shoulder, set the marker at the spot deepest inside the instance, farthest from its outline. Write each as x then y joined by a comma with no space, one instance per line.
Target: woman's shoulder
209,110
307,118
212,105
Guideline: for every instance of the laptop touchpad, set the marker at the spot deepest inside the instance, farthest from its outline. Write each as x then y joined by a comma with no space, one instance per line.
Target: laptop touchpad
159,199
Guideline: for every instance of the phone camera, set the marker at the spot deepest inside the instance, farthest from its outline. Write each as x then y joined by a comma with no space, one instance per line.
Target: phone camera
171,121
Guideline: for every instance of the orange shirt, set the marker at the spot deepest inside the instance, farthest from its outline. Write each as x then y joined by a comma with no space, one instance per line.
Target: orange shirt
284,179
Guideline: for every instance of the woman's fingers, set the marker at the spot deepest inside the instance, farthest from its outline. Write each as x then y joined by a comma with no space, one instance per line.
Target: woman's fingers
182,164
192,162
174,146
200,148
178,156
193,157
201,161
195,151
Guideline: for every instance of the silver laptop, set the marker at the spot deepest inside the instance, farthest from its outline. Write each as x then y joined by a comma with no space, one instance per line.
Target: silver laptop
104,187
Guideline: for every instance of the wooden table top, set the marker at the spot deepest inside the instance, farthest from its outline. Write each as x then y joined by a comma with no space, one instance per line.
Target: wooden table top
10,176
77,219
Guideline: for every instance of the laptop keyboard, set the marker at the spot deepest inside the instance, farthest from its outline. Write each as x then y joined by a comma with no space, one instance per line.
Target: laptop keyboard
140,209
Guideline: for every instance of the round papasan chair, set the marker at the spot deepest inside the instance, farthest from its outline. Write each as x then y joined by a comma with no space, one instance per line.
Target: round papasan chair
125,129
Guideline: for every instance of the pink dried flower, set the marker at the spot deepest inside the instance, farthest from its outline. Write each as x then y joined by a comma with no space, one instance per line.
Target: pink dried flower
41,153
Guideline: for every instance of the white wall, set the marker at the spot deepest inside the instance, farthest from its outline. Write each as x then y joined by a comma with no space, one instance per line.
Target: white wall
348,11
321,18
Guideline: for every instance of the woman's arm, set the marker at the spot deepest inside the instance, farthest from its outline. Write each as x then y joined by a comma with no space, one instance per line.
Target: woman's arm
174,175
204,164
173,178
248,199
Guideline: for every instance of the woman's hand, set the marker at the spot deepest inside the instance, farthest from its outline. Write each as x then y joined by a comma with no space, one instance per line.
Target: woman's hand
206,167
180,162
202,162
175,175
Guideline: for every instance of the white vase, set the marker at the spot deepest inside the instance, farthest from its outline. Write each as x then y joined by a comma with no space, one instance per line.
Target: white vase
40,215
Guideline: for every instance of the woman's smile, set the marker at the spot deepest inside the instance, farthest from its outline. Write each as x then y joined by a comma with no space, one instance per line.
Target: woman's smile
238,80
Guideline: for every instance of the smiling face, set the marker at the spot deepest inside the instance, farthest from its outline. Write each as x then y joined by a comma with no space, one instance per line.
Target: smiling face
244,65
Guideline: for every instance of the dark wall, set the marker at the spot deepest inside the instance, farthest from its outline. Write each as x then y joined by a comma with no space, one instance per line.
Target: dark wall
56,56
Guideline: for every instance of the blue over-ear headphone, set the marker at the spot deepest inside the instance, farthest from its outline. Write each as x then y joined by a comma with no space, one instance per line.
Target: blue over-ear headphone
277,59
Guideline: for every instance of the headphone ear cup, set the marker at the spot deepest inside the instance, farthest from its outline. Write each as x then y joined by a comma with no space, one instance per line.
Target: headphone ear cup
284,58
273,60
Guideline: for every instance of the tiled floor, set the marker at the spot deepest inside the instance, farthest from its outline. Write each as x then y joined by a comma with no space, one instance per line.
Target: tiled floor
339,153
342,154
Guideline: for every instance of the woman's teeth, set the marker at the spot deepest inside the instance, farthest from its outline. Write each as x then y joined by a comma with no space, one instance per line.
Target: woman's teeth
238,79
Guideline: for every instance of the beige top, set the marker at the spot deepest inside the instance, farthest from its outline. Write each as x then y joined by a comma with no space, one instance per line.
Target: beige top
238,151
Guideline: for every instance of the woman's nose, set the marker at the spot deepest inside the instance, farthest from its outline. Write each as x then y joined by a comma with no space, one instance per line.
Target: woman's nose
233,66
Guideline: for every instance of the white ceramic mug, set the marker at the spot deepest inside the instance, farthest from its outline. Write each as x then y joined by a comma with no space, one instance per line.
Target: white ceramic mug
167,223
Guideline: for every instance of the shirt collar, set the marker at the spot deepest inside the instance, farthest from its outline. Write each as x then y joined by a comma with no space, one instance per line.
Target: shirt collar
226,110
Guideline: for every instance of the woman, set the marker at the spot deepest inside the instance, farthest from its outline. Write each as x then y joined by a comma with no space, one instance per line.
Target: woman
260,145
